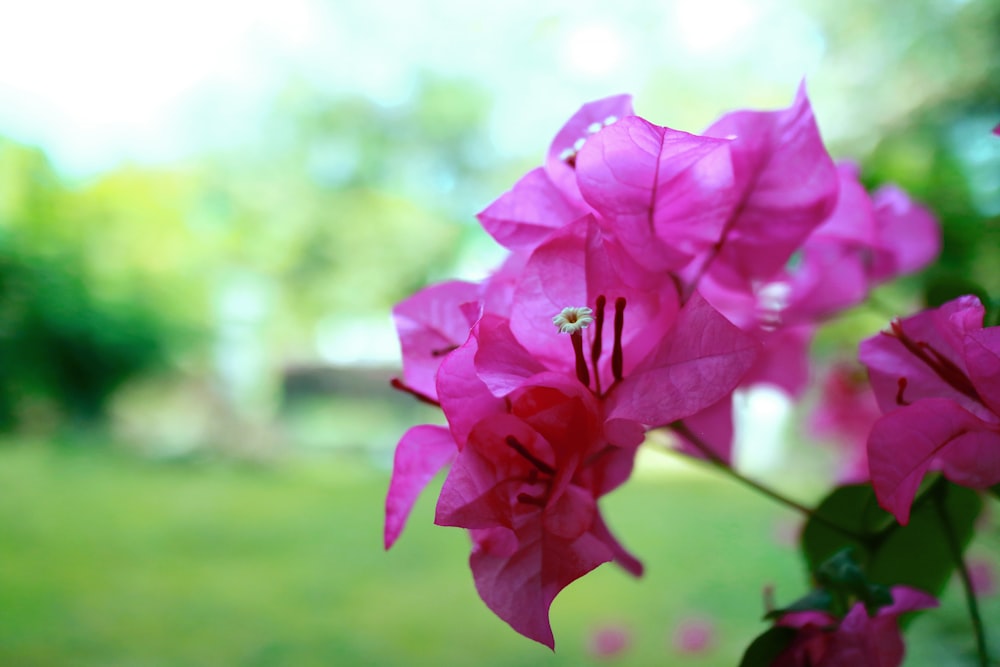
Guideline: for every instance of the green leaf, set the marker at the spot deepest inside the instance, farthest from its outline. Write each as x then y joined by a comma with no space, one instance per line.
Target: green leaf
767,647
914,555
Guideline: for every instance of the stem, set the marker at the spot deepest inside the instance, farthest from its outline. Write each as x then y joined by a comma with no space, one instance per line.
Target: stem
681,429
970,594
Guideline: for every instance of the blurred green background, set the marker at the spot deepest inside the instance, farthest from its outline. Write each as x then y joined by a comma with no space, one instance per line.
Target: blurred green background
207,211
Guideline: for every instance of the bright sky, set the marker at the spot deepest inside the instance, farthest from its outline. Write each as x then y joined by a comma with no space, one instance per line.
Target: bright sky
102,81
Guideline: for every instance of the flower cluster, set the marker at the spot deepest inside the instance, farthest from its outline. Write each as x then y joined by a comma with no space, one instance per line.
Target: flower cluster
650,273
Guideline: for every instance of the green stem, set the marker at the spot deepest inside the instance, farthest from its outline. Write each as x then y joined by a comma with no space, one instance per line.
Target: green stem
963,571
681,429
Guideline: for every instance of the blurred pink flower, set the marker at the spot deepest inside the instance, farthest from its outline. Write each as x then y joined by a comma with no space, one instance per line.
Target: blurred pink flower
857,640
694,634
609,641
845,413
983,576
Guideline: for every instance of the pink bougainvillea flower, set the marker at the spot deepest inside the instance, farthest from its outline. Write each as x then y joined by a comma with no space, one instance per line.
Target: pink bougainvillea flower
649,363
858,640
845,412
936,377
526,483
787,186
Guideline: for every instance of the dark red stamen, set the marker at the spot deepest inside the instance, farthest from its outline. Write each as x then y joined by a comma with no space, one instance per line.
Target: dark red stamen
616,352
423,398
440,352
542,466
595,348
901,384
581,363
945,368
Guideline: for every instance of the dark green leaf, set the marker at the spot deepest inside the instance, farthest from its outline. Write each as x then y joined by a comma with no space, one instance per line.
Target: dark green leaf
768,646
914,555
943,288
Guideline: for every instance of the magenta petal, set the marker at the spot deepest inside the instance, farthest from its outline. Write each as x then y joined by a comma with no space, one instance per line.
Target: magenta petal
662,193
431,323
910,236
906,599
713,427
581,127
420,454
904,443
501,361
464,398
524,216
519,587
697,363
622,557
942,329
982,357
788,181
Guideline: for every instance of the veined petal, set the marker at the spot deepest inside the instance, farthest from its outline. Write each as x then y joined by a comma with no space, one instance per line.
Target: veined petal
465,399
662,193
590,119
432,323
697,363
788,182
420,454
519,587
904,443
521,218
501,361
982,357
909,234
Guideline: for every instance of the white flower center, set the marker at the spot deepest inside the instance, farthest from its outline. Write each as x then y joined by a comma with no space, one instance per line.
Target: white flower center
573,319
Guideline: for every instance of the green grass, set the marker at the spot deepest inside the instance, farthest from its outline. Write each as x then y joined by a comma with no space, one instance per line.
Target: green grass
112,561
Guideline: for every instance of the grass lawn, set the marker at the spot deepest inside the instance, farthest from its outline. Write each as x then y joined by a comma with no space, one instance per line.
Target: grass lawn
107,560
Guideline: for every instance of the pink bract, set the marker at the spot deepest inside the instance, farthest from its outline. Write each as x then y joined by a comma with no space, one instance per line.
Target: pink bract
935,376
858,640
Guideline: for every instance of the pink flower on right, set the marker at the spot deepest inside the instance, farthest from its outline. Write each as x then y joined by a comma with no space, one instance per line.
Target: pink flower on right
858,640
936,377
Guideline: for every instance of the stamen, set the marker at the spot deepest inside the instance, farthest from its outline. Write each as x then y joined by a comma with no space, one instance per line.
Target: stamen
945,368
440,352
397,384
901,384
595,348
616,352
568,155
594,128
542,466
610,120
581,362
